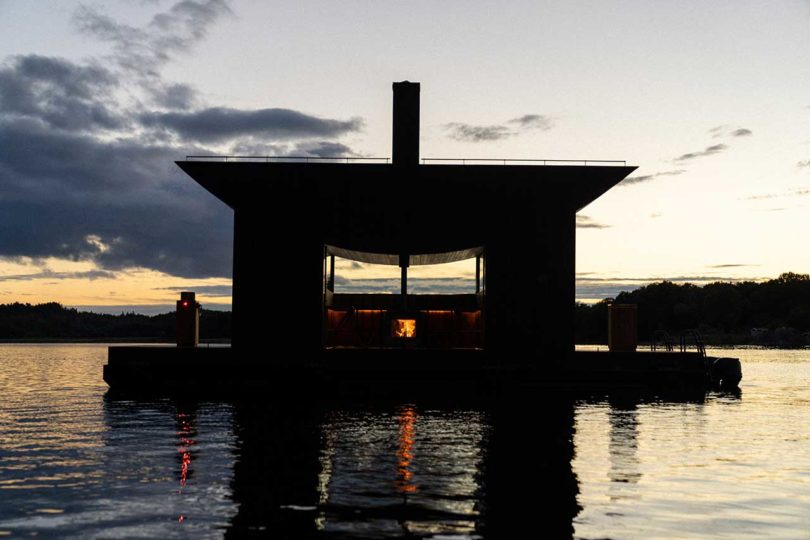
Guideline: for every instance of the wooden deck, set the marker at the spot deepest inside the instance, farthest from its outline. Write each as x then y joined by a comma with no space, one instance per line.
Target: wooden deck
394,371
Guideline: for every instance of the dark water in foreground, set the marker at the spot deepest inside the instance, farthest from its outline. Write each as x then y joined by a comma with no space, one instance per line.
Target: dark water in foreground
74,463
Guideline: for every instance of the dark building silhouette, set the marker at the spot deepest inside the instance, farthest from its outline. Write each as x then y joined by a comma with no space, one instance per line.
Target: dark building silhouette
293,217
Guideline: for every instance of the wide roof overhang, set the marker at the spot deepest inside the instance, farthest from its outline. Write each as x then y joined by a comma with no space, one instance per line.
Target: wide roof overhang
390,209
236,183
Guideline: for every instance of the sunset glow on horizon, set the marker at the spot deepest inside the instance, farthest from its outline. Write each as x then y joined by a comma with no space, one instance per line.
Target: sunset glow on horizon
96,104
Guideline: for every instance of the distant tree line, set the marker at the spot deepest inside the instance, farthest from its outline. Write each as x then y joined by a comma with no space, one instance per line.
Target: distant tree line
52,321
774,312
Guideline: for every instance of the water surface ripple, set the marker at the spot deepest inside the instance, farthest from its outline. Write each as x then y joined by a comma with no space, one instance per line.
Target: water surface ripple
76,463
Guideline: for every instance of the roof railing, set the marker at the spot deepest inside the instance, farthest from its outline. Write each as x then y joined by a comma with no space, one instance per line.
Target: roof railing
425,161
501,161
295,159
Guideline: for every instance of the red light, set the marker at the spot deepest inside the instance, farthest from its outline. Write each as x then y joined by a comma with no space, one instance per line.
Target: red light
184,303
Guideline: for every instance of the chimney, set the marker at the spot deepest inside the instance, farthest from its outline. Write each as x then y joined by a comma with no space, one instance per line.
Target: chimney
405,149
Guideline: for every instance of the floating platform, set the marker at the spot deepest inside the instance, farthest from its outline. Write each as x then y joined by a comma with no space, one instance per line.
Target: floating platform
392,372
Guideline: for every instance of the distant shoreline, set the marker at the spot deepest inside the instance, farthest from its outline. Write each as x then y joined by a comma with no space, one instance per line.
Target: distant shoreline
120,341
155,341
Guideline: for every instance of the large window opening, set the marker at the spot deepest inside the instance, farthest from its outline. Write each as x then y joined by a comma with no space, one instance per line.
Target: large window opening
415,301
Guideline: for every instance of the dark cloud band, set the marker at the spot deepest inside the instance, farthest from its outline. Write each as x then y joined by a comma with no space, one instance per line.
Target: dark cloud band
587,222
708,151
221,123
475,133
86,175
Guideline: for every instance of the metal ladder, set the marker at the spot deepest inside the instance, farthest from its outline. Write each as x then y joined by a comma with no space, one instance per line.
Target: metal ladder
698,339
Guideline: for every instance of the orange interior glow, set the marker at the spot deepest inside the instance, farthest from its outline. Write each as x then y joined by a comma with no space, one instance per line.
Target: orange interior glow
404,328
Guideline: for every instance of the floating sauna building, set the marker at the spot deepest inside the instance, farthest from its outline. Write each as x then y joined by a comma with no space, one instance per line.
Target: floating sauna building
518,221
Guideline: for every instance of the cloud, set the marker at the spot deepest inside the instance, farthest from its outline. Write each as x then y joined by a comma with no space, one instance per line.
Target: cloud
203,290
495,132
761,197
144,50
533,121
589,288
709,151
471,133
731,265
586,222
175,96
50,274
793,192
121,204
87,170
416,285
141,52
804,163
59,94
216,124
728,131
321,149
681,278
631,180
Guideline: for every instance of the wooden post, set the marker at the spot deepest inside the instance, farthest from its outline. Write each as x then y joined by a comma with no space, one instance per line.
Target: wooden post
330,284
478,273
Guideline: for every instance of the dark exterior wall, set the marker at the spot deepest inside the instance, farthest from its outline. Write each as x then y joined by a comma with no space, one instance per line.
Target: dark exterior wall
530,284
562,285
239,327
278,292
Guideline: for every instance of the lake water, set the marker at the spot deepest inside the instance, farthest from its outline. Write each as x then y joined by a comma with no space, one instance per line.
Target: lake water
75,463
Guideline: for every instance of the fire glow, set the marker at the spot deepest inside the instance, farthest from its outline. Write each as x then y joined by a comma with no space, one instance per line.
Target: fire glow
403,328
407,437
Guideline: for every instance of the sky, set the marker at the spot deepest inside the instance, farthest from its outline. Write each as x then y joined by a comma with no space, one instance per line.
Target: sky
710,100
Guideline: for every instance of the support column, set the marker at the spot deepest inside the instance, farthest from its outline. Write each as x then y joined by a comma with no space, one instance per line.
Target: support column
477,274
404,262
330,284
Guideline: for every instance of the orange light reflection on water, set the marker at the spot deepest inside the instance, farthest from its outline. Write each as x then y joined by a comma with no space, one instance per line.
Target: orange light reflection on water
407,436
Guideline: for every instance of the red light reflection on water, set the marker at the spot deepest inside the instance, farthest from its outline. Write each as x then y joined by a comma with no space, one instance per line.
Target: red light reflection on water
407,436
185,432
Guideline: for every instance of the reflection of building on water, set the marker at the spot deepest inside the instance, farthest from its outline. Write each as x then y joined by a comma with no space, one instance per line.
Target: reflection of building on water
399,471
528,485
360,473
173,459
342,471
275,472
623,447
